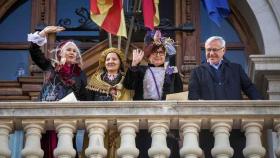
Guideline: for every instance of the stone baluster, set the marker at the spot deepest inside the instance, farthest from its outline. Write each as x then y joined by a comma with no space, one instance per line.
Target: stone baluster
65,130
276,123
128,131
254,148
96,129
159,129
5,129
33,134
190,130
221,129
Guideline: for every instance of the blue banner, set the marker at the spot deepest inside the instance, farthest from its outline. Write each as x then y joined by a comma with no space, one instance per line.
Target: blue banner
217,10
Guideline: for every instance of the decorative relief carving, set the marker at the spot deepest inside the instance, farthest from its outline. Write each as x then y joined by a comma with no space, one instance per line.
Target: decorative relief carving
188,11
42,11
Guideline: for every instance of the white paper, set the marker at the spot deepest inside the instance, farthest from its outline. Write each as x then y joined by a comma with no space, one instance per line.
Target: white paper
69,98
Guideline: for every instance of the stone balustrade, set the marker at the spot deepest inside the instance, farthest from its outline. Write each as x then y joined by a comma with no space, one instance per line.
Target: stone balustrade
189,117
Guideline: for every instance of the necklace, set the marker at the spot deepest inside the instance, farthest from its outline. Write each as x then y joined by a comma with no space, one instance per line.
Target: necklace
112,79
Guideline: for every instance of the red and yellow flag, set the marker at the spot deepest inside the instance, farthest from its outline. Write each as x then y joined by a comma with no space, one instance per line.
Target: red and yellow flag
150,13
109,15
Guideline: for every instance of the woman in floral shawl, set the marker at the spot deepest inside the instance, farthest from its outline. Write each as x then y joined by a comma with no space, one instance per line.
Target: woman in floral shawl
106,83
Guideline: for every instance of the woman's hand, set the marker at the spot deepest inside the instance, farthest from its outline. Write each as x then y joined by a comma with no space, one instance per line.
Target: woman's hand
50,29
137,57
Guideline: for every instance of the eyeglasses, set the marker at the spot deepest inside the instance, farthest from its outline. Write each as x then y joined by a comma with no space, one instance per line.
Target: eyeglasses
213,49
160,53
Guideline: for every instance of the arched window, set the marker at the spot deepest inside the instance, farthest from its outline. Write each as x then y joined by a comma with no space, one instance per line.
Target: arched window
75,17
235,50
15,24
25,16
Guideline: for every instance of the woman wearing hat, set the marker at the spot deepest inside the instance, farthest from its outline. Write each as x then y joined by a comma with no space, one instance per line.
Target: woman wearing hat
154,82
157,79
106,84
63,73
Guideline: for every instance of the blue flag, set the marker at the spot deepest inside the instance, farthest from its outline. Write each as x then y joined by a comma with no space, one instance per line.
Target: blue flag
217,10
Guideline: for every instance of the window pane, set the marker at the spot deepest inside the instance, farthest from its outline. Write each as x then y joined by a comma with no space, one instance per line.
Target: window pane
209,28
15,25
13,63
74,15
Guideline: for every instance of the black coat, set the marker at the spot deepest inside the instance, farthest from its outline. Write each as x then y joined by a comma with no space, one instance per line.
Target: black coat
134,81
61,89
202,83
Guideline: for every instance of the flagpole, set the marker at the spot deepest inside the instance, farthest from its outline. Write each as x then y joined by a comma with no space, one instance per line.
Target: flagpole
137,6
119,42
110,40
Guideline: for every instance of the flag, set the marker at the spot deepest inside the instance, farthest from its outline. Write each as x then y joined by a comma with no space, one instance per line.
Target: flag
109,15
150,13
217,10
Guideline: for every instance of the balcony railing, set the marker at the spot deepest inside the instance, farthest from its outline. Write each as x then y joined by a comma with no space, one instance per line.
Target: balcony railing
189,117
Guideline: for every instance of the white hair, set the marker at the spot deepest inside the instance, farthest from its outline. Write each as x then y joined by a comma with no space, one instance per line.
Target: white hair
213,38
60,51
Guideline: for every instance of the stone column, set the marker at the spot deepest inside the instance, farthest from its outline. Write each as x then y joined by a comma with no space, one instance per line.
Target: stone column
33,130
158,129
221,129
65,130
96,129
273,86
5,129
128,131
252,128
190,130
260,71
277,129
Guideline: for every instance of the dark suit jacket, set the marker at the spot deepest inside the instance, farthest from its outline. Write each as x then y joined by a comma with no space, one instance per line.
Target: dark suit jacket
201,83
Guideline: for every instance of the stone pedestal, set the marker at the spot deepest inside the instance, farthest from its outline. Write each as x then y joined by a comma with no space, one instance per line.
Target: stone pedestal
128,133
159,129
5,129
190,130
96,130
65,130
277,129
254,148
221,129
33,130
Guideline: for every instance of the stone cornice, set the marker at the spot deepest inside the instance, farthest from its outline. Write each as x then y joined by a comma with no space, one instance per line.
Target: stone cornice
144,111
140,108
266,63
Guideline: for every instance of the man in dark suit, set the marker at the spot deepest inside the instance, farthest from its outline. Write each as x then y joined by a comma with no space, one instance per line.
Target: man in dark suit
219,79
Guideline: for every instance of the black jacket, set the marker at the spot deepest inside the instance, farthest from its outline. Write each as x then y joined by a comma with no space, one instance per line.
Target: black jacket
134,81
61,89
202,83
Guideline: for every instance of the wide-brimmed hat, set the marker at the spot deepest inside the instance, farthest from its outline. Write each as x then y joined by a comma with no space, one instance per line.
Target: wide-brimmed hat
154,40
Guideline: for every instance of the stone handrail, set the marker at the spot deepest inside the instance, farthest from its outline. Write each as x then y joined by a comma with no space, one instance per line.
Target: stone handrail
143,109
156,116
